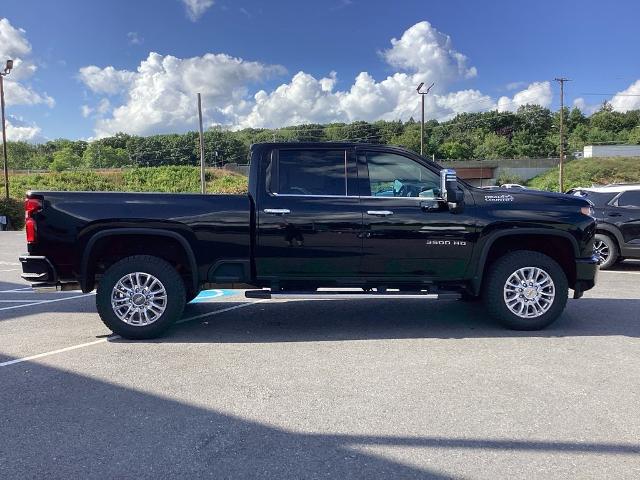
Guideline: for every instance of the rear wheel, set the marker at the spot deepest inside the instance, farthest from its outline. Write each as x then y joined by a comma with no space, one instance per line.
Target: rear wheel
526,290
605,248
140,297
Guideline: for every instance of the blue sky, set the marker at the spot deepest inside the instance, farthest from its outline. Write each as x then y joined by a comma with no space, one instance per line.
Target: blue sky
481,54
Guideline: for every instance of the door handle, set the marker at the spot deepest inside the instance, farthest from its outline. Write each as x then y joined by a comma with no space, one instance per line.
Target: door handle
379,213
277,211
615,214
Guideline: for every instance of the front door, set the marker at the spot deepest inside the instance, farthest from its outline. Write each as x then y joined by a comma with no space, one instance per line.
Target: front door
626,216
309,219
409,234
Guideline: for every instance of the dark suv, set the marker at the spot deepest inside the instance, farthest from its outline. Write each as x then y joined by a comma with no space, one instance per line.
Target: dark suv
617,210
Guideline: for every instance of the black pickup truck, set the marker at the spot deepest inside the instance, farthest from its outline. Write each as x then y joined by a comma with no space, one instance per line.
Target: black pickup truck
320,219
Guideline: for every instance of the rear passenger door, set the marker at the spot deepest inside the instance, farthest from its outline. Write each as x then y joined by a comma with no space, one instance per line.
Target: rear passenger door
309,220
627,211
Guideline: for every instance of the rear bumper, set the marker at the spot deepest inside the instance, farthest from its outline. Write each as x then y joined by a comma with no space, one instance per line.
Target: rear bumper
586,275
38,269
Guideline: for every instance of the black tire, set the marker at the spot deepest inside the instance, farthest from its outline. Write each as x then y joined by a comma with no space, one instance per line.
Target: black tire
610,247
499,273
165,273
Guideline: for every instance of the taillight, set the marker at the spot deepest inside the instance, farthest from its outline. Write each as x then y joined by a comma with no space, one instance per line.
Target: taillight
31,206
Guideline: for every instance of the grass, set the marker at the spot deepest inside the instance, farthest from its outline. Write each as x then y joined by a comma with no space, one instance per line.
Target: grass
590,171
172,179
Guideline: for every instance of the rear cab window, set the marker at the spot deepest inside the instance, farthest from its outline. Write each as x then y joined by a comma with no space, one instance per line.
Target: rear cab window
310,172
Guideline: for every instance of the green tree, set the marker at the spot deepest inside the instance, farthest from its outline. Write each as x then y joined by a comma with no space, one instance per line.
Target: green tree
492,147
65,159
98,155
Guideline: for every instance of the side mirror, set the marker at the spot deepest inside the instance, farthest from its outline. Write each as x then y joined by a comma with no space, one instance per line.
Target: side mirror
450,191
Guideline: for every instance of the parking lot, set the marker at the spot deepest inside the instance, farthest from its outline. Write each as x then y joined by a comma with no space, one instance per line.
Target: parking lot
319,389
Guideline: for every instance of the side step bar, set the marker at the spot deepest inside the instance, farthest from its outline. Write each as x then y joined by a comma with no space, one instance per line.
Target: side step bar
267,294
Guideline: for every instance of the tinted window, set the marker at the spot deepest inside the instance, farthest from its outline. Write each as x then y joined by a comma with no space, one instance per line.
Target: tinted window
629,199
393,175
311,172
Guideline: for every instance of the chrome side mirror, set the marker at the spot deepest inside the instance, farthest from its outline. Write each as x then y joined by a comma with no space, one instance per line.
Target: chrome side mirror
450,191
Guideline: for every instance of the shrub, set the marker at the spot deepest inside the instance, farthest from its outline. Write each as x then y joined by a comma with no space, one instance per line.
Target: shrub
13,209
591,171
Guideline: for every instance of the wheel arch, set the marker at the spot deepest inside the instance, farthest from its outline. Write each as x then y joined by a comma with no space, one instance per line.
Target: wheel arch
611,231
559,245
87,268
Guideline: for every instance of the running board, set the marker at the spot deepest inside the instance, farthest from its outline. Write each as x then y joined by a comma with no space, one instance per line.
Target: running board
326,295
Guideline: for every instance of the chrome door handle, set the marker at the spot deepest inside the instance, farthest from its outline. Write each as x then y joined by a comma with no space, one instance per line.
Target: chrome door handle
380,213
277,211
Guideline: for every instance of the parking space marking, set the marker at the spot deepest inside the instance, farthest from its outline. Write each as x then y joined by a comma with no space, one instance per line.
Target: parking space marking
42,302
618,271
115,337
13,264
18,290
10,270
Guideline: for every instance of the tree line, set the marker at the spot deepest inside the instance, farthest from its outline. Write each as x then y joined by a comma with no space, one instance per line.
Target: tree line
530,132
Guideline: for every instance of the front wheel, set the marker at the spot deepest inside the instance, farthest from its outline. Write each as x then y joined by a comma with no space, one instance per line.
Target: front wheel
526,290
140,297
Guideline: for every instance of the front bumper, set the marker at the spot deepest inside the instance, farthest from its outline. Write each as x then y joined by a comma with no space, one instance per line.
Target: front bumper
586,275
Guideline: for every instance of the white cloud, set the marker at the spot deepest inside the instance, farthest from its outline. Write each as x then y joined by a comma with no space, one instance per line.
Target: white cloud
425,50
14,45
160,95
537,93
196,8
584,106
19,130
106,80
86,111
628,99
134,38
422,52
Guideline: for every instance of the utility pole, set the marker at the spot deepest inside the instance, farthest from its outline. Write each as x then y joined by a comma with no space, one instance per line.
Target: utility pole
561,81
202,175
6,71
422,94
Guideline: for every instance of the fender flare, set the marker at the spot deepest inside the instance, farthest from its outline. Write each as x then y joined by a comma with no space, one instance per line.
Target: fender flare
613,232
86,255
481,256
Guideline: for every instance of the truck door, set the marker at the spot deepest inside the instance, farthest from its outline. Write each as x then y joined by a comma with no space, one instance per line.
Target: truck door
408,233
626,215
309,220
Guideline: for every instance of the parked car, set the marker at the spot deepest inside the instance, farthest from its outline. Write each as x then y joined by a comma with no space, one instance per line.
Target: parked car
617,210
379,220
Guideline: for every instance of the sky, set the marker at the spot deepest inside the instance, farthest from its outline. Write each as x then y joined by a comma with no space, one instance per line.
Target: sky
86,69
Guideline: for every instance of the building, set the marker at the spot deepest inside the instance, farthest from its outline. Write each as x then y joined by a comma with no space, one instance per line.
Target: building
611,151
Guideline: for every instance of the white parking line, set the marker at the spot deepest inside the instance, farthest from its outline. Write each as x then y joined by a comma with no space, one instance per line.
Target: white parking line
115,337
18,290
618,271
42,302
17,264
10,270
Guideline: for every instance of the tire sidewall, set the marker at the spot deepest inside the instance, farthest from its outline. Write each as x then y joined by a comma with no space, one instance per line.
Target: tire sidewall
613,251
163,271
503,268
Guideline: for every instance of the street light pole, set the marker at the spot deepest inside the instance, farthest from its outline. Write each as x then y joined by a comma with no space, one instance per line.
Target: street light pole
422,94
7,70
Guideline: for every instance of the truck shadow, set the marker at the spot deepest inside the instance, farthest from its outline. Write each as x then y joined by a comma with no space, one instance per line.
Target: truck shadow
74,426
301,321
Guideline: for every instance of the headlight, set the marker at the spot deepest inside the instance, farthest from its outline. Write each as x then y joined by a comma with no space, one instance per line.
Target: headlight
587,211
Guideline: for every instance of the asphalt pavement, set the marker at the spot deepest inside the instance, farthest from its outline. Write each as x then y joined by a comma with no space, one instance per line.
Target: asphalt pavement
319,389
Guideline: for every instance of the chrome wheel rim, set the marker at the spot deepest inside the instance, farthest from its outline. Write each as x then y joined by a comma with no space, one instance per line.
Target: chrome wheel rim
601,251
139,299
529,292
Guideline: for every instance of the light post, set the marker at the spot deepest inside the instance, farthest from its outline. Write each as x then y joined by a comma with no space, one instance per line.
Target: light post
422,94
6,71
